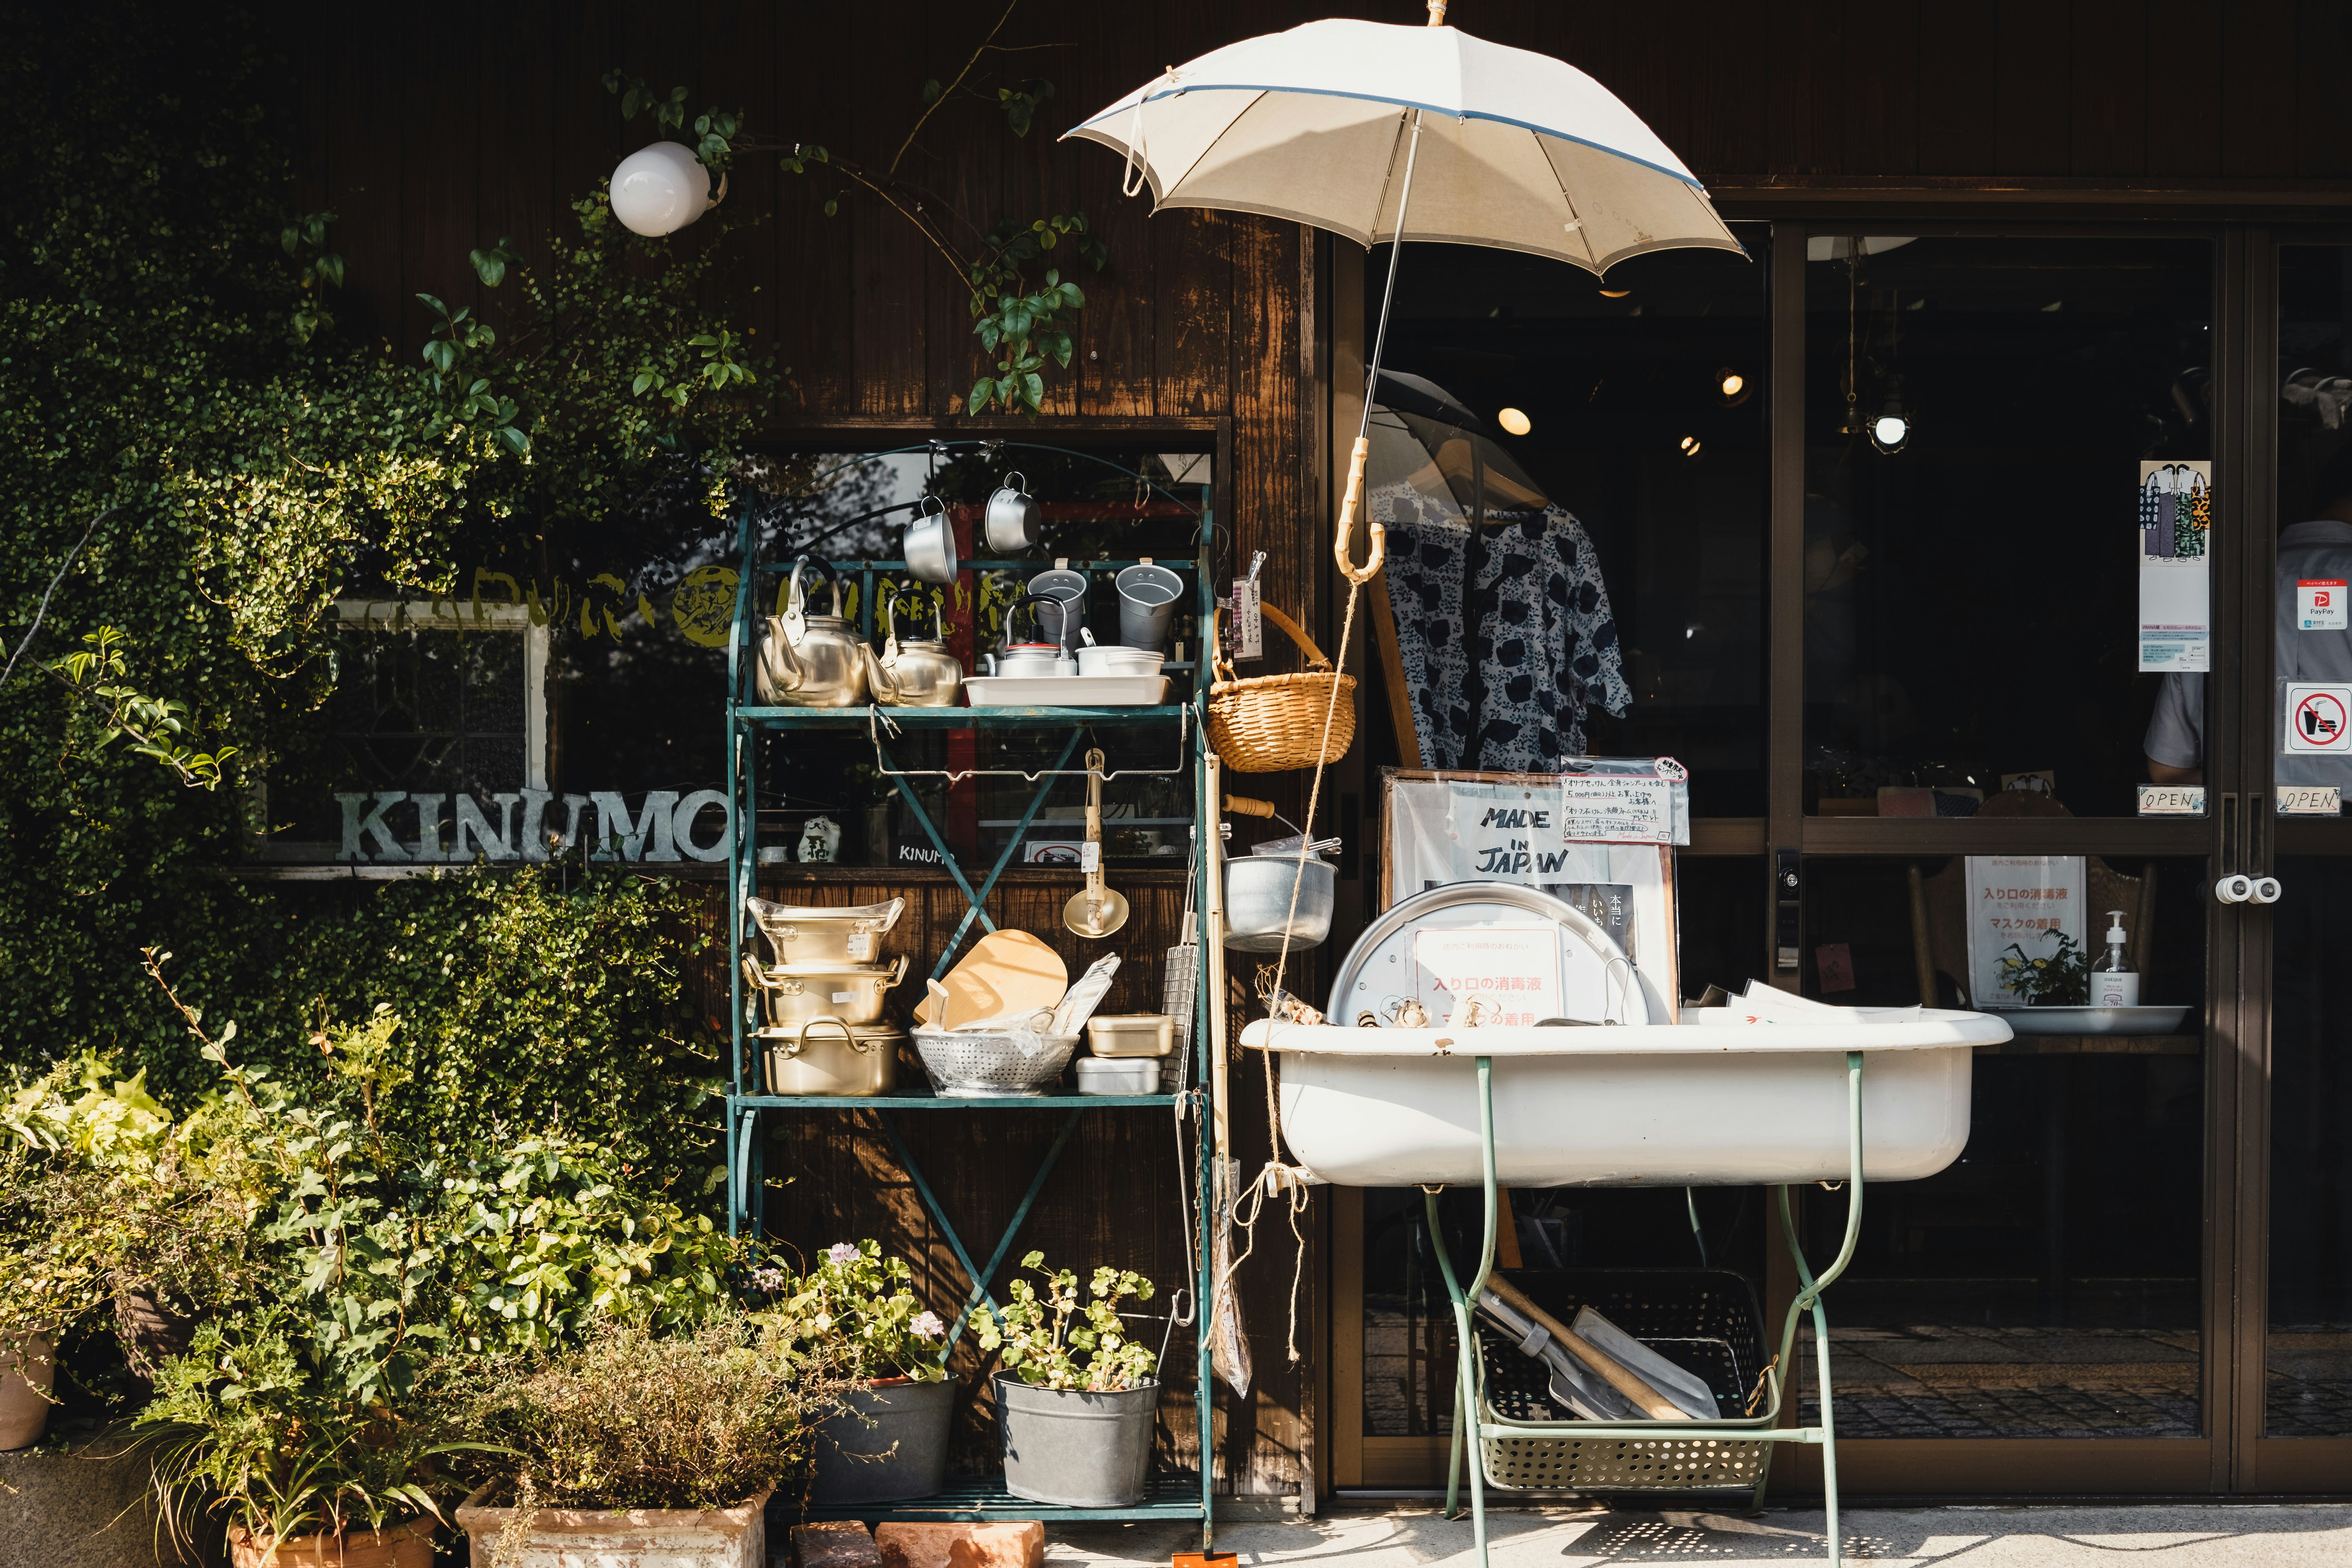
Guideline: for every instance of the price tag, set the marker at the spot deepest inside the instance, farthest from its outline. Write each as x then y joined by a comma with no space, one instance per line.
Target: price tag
1249,626
1090,857
2172,800
2320,606
2310,800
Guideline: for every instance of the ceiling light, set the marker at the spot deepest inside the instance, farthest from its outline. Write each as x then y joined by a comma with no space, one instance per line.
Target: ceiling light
1614,293
1891,429
1512,420
1731,388
1691,445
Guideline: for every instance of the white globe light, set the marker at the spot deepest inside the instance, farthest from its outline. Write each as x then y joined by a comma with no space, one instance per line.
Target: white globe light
1890,431
1512,420
660,189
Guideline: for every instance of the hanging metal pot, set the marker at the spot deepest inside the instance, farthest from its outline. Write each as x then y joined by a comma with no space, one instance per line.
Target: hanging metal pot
930,544
1012,517
812,661
916,673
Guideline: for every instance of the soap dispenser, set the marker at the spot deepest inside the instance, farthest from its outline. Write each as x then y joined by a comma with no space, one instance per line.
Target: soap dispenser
2114,982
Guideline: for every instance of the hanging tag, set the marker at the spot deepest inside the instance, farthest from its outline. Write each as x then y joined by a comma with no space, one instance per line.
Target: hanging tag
1090,858
2319,606
1249,626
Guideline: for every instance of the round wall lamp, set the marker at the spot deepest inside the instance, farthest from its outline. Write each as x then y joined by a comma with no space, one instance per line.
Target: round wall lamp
1731,388
1514,422
659,189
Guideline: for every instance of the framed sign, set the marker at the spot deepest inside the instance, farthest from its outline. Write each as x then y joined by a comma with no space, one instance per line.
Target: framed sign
1439,828
2025,901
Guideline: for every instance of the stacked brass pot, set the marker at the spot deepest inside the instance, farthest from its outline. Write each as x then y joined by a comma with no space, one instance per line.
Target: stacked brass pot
826,999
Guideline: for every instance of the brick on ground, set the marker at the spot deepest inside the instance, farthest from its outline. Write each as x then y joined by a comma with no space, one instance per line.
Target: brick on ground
1004,1544
840,1544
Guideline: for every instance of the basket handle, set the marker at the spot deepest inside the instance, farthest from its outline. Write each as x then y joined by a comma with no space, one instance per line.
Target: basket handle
1290,628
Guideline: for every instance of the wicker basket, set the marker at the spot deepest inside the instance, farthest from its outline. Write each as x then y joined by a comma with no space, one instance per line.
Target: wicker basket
1703,1319
1272,723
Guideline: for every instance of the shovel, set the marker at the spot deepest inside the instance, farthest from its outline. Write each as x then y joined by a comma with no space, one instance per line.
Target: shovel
1095,912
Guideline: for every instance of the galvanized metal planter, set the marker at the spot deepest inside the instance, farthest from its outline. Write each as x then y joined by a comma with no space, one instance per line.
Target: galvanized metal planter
889,1446
1079,1449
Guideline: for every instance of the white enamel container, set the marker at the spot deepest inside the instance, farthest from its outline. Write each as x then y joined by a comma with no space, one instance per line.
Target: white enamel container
1673,1105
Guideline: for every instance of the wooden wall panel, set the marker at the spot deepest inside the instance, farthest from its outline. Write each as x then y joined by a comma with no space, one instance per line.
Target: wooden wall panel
2030,87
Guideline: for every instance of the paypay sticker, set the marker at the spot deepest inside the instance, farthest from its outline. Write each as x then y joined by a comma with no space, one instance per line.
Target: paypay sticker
2319,606
2319,719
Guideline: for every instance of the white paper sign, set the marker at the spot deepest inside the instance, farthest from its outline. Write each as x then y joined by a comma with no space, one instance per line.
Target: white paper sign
2311,800
1492,975
2319,606
2172,800
1249,621
2021,900
1597,808
2318,719
2176,523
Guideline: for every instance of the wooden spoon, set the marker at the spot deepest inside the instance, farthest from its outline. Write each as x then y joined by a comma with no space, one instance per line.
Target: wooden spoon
1096,910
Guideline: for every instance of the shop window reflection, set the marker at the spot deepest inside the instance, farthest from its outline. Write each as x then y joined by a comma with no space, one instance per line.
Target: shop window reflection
1538,424
1972,591
2047,1283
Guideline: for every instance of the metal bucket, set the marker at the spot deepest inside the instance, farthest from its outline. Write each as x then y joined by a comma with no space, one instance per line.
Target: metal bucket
1076,1448
1257,903
890,1445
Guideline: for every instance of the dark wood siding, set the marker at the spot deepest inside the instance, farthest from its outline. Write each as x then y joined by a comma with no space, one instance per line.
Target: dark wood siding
438,128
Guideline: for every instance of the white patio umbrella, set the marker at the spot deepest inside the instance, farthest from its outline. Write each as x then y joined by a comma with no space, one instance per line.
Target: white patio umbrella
1330,123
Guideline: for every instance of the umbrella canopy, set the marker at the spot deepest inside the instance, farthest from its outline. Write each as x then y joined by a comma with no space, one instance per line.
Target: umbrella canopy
1516,150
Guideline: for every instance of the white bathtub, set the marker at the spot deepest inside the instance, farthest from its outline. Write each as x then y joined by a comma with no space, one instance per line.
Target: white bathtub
1676,1105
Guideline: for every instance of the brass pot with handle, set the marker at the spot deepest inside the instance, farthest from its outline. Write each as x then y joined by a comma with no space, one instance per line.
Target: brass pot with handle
917,672
812,661
853,993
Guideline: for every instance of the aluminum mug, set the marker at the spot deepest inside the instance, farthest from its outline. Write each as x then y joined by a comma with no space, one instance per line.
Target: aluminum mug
1148,596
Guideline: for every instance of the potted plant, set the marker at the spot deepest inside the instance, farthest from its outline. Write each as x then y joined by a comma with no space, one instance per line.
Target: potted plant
645,1446
890,1441
2060,980
1076,1423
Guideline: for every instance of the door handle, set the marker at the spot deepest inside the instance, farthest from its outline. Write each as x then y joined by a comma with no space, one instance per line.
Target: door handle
2245,837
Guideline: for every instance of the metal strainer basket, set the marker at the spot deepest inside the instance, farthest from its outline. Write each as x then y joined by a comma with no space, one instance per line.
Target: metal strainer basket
981,1065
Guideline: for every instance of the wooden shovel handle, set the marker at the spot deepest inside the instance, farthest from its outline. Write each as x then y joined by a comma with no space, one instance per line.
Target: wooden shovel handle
1243,806
1612,1371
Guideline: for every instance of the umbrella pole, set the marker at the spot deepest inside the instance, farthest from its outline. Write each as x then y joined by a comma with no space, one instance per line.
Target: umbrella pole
1375,534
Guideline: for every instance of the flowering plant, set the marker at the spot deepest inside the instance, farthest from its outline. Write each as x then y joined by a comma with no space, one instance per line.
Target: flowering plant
2063,979
858,1297
1049,1351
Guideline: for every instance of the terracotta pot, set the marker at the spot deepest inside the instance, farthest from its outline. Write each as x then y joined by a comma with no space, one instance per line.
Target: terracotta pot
645,1537
151,1332
408,1545
28,1368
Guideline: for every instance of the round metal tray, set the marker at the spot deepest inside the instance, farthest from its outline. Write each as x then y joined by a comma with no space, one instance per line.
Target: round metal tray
1598,981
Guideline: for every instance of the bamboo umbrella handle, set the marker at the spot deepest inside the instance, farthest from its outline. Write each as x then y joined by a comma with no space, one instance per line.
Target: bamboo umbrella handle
1436,14
1377,535
1612,1371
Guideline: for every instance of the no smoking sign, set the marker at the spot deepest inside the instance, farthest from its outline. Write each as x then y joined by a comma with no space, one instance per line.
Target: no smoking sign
2319,719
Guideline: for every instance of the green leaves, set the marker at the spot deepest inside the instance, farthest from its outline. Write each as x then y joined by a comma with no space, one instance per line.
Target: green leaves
491,265
1054,1344
152,724
1026,330
1019,104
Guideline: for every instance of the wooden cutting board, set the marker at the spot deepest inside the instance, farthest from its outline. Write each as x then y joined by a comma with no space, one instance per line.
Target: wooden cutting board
1005,971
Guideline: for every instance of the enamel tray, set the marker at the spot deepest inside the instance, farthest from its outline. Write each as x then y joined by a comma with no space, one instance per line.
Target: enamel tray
1064,690
2092,1020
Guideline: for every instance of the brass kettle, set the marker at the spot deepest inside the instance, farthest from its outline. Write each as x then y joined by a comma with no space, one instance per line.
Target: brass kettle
918,672
812,661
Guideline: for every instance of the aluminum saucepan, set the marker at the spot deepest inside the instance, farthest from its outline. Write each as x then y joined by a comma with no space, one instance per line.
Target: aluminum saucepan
847,934
1257,903
931,544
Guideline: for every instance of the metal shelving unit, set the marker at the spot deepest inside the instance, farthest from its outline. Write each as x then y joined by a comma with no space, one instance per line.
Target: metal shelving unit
1172,1495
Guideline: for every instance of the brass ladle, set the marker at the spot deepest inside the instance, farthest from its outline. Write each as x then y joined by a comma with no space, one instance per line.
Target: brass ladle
1095,912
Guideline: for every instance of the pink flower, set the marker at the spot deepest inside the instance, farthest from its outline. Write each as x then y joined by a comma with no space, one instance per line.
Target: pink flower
929,1326
841,1252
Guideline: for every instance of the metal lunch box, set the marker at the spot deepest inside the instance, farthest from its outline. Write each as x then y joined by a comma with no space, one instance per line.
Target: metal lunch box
1130,1034
1102,1075
850,933
826,1056
853,993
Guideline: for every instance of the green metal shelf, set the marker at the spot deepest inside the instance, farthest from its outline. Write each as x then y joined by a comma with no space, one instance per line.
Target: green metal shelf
942,1101
977,1499
952,718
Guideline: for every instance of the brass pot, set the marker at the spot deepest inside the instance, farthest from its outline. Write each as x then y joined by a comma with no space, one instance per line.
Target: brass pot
860,1062
853,993
916,673
843,933
812,661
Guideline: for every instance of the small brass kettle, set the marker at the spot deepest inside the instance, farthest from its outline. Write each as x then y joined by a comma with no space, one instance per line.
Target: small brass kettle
917,672
812,661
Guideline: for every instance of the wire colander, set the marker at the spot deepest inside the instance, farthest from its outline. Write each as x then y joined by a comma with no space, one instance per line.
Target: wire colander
981,1065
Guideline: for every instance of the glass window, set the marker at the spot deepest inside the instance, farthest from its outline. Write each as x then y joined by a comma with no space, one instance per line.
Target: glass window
2046,1284
1538,430
1977,414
